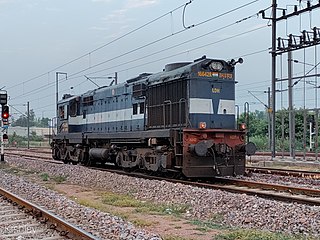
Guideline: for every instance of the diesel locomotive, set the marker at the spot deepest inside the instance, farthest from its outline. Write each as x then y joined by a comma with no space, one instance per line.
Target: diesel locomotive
178,121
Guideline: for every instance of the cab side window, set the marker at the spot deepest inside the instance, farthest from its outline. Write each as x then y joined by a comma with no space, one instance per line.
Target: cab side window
135,109
63,112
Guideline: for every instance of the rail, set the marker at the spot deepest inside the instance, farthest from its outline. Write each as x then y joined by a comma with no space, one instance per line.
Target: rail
64,228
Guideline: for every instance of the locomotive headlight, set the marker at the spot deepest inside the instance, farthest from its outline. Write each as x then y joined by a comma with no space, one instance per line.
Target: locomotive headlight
202,125
216,66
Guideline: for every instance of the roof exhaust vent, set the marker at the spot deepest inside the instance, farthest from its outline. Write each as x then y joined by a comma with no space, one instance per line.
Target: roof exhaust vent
173,66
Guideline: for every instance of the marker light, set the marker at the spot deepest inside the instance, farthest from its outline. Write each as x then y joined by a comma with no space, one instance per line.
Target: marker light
202,125
242,126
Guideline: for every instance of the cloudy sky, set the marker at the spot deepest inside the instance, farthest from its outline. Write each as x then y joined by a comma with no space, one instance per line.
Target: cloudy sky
96,38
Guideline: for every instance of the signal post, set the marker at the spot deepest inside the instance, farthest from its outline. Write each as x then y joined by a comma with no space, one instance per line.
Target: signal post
4,121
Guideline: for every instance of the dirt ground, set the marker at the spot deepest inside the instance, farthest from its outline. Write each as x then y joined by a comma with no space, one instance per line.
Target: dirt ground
169,227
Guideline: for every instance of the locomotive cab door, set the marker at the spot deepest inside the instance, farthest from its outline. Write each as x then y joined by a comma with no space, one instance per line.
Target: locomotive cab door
74,122
63,118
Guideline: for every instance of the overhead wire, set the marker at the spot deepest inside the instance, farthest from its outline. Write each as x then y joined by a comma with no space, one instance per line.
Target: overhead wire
139,48
169,36
40,88
162,50
71,76
98,48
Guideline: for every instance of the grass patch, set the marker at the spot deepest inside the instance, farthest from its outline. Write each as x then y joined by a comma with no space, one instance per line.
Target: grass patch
51,187
142,222
11,170
15,170
88,203
59,179
205,226
176,238
165,209
255,235
217,218
44,177
120,200
101,207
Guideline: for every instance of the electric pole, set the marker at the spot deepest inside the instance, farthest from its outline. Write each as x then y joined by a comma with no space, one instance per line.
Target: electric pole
286,45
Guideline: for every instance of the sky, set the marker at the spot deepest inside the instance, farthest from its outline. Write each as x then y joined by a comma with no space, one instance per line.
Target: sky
93,39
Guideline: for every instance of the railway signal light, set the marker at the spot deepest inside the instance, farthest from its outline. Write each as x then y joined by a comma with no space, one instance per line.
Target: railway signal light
5,138
3,98
5,123
5,112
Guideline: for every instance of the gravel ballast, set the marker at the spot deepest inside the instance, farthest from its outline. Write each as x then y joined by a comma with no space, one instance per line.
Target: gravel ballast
237,210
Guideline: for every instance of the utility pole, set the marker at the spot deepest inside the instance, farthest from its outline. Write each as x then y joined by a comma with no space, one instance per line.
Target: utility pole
306,40
115,78
247,119
269,118
2,145
57,90
273,78
290,108
28,125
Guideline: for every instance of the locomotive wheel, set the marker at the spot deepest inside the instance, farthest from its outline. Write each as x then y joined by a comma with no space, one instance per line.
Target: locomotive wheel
170,174
84,159
119,159
56,154
66,158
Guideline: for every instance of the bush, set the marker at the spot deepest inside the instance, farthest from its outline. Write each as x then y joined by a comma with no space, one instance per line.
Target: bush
261,143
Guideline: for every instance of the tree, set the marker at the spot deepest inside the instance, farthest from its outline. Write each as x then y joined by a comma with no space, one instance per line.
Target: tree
43,122
22,121
258,128
257,124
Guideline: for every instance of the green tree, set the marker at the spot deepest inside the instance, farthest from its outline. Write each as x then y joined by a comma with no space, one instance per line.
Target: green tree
258,128
22,121
257,123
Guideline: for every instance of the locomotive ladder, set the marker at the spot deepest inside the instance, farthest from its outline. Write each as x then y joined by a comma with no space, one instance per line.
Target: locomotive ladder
176,122
178,148
178,137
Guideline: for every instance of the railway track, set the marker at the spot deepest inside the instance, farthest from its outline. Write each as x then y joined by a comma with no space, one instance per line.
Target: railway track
285,172
31,154
21,219
274,191
266,190
46,156
287,154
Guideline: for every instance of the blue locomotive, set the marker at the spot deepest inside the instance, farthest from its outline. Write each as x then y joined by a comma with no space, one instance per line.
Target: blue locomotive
180,120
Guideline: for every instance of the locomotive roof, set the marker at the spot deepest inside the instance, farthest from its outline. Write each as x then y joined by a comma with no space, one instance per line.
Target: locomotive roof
67,98
171,71
181,70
